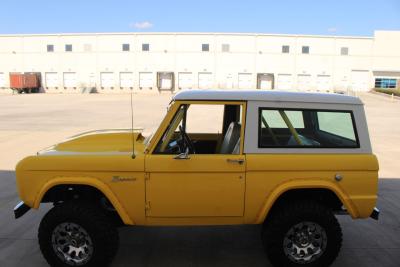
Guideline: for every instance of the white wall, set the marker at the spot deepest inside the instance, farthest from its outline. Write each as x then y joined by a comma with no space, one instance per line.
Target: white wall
181,52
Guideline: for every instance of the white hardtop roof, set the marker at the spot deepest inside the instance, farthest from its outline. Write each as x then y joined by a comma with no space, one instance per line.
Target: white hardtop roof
271,96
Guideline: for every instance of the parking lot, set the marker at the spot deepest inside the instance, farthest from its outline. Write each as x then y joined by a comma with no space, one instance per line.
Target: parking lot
29,123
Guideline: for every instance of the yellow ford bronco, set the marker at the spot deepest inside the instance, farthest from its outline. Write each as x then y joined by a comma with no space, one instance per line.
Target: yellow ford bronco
287,161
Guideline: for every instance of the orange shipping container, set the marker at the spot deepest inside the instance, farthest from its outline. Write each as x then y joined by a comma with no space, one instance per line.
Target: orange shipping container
25,81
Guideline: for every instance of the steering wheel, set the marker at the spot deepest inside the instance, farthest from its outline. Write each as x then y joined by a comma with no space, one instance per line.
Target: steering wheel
187,143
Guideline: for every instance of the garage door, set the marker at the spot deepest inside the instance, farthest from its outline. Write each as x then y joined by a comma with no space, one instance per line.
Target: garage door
265,81
324,83
185,80
69,79
245,81
284,82
165,80
2,79
205,80
126,79
146,80
304,82
107,79
360,80
51,79
229,82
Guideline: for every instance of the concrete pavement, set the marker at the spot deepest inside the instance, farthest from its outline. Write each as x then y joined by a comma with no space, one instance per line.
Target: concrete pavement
31,122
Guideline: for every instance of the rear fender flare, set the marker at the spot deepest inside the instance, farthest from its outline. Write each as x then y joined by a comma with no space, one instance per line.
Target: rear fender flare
304,184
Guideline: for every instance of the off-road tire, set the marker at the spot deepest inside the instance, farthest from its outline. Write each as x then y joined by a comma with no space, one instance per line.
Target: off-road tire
286,216
98,226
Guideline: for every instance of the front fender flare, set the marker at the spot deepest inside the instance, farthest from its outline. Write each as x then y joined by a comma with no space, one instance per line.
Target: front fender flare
304,184
89,181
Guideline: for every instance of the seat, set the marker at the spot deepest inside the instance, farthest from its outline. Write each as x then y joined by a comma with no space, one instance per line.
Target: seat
231,138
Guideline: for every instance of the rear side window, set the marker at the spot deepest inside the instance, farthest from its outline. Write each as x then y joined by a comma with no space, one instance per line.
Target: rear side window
306,128
337,123
275,120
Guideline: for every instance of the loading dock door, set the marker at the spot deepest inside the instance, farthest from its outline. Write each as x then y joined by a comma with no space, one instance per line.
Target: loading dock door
360,80
2,79
165,80
126,79
265,81
145,80
92,80
304,82
185,80
107,79
245,81
284,82
51,79
324,83
205,80
229,82
70,79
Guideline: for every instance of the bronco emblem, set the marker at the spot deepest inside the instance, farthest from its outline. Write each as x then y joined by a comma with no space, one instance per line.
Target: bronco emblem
116,179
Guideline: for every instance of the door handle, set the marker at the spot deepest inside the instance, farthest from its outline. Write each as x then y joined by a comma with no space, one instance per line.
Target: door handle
237,161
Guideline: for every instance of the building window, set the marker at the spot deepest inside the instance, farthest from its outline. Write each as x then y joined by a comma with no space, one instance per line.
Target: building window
385,83
225,48
205,47
87,47
68,48
145,47
305,50
344,51
285,49
50,48
306,128
125,47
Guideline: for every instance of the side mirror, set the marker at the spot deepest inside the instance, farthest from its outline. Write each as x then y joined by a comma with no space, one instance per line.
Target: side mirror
184,155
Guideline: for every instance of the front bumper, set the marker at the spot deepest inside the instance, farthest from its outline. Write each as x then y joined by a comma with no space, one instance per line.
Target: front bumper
375,214
21,209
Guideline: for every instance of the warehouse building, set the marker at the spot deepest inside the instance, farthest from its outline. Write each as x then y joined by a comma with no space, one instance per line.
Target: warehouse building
156,62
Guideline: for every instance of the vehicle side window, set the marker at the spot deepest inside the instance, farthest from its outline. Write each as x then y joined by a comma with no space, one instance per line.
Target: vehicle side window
204,128
275,120
337,123
302,128
202,119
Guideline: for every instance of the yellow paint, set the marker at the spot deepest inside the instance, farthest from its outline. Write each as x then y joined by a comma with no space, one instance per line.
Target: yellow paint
202,190
204,185
94,182
269,176
102,142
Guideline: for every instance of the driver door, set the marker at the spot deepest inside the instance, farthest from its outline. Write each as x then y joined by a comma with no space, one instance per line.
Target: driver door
198,185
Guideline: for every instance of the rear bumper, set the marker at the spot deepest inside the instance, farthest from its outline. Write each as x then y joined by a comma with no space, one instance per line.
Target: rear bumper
375,214
21,209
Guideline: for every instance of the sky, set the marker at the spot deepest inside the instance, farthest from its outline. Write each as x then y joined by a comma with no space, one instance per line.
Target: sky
325,17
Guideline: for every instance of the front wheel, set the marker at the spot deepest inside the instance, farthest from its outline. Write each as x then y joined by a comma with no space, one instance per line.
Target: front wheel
302,234
77,234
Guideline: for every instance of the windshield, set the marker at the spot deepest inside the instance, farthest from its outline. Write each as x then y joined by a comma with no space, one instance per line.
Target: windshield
149,137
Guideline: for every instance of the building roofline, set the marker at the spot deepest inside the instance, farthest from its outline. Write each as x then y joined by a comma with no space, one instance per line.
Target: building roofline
188,33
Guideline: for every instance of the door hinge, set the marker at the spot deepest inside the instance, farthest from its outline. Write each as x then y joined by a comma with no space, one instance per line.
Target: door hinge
147,206
147,176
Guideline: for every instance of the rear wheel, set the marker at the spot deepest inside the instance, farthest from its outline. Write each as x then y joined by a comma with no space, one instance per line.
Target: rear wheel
302,234
77,234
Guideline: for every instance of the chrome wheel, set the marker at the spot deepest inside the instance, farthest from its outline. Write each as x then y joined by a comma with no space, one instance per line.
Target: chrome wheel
305,242
72,244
